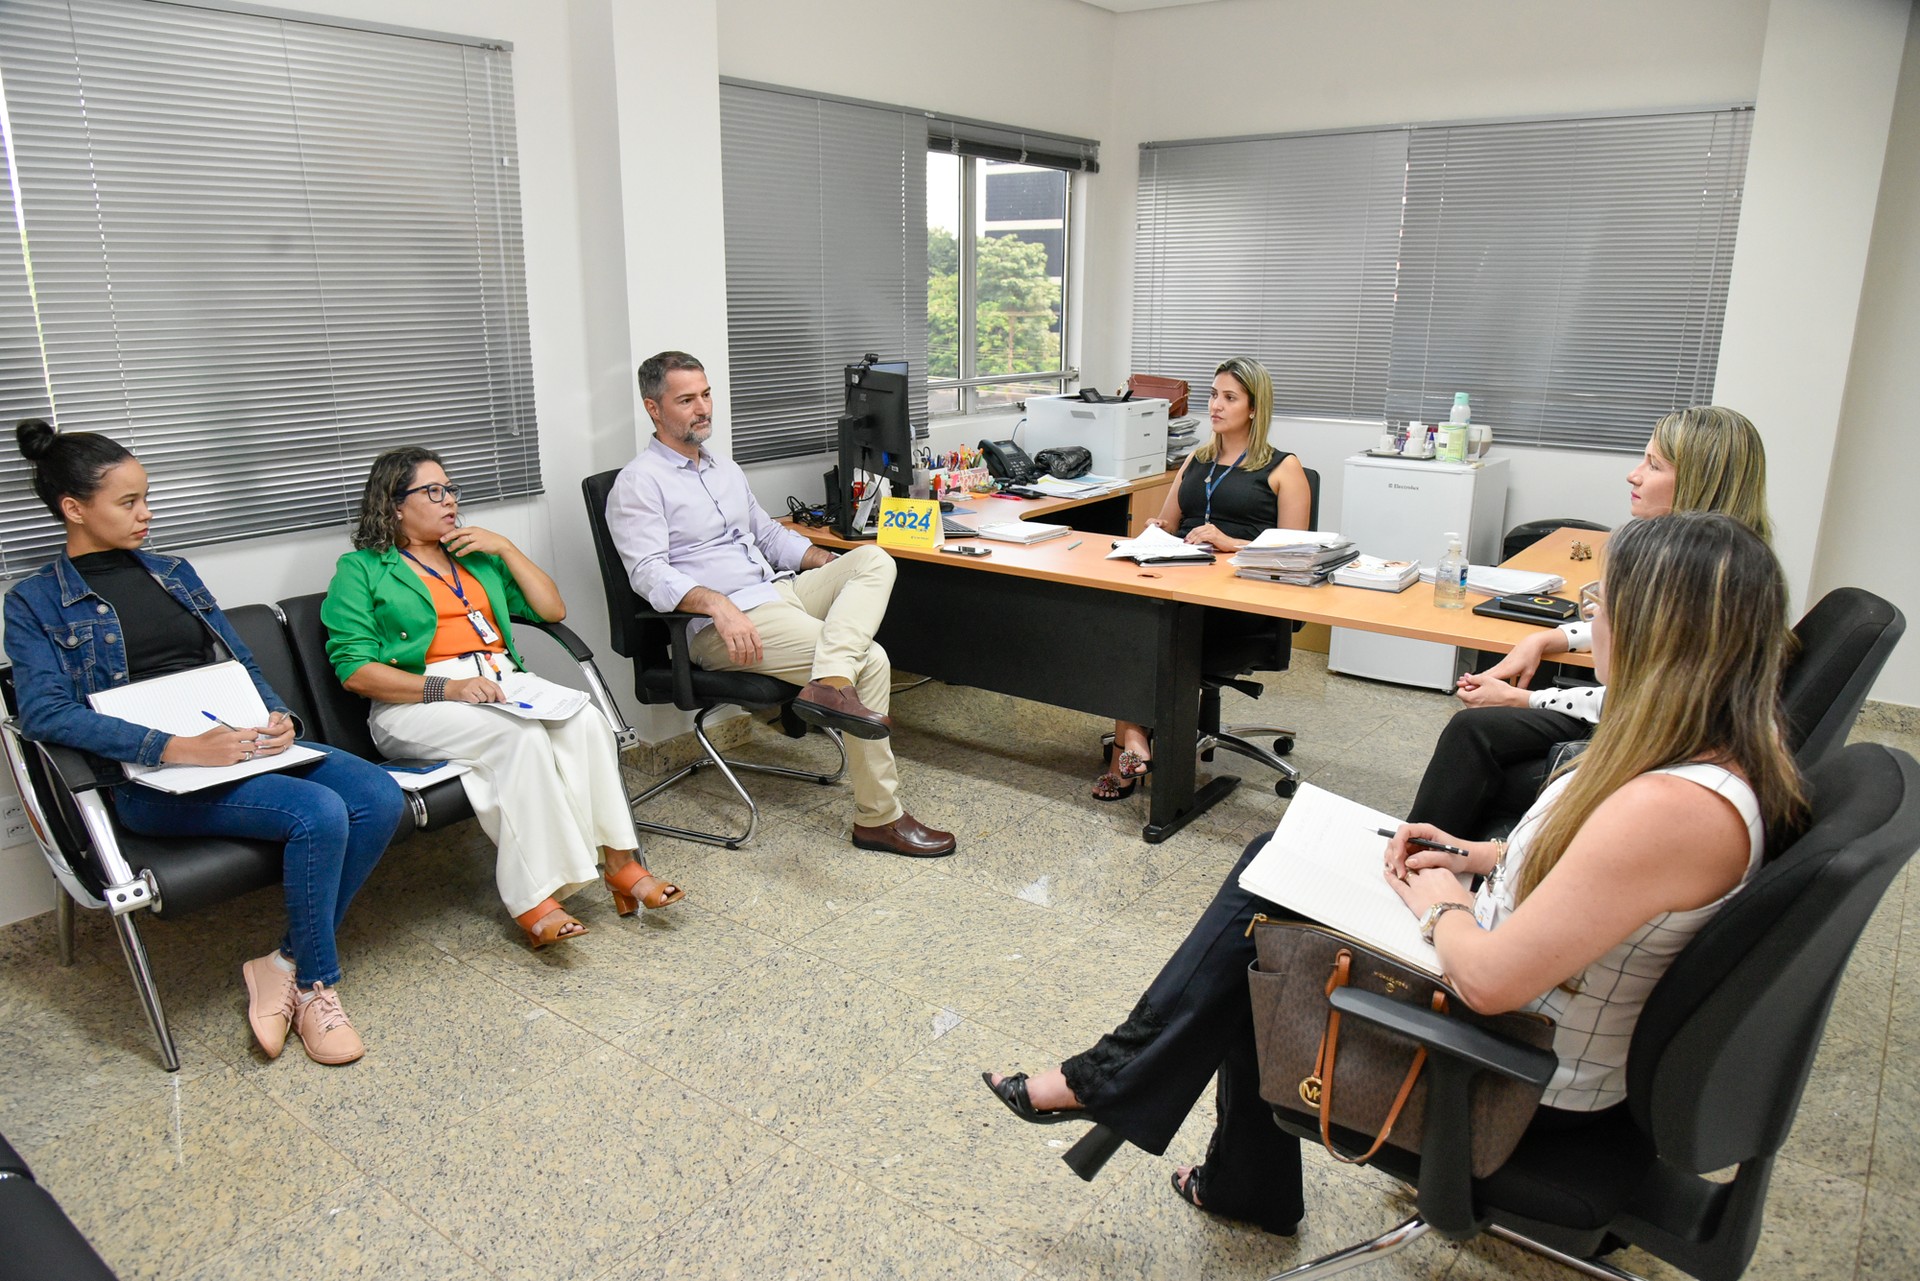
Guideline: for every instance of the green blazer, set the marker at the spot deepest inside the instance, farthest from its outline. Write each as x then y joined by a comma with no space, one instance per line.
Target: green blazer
378,611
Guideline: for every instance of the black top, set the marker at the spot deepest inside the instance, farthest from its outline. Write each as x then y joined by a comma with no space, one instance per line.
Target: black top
162,635
1243,502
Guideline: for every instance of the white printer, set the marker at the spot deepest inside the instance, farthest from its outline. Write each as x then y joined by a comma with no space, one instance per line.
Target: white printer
1127,438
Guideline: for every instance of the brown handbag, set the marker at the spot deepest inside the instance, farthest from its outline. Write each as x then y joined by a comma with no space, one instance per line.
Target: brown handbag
1154,387
1355,1075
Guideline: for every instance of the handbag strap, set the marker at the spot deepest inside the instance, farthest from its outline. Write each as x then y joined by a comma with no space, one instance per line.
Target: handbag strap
1323,1067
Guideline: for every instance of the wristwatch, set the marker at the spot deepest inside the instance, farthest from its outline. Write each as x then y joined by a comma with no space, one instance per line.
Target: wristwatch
1432,918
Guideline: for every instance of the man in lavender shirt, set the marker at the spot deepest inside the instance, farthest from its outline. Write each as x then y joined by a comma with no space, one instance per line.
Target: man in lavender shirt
694,539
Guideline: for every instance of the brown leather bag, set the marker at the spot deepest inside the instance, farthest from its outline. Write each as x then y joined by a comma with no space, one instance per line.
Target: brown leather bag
1357,1076
1154,387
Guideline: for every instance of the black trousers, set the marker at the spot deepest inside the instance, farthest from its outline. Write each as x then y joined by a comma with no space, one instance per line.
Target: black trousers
1194,1021
1488,767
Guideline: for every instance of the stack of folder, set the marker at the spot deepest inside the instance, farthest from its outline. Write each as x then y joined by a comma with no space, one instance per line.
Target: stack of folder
1302,557
1376,574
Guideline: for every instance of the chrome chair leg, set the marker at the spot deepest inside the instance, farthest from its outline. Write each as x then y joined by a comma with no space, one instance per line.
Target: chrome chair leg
727,768
1591,1267
136,953
63,924
1354,1256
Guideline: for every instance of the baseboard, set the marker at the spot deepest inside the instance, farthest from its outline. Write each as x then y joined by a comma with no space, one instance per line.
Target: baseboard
1891,718
682,750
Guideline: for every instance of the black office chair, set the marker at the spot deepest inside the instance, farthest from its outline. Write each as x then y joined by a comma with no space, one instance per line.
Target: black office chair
664,673
100,864
1266,647
1714,1074
37,1239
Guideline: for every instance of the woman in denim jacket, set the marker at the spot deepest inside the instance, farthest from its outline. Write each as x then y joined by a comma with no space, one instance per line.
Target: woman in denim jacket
68,635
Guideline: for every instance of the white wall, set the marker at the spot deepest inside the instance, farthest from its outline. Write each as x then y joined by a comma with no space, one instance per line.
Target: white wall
1868,533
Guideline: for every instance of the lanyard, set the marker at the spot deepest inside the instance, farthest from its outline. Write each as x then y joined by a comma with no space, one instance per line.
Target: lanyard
475,619
1210,483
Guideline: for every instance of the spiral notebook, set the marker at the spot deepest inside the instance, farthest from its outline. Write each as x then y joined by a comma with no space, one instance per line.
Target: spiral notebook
178,704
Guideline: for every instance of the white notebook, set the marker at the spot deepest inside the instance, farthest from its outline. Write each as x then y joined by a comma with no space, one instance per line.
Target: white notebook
179,704
1327,861
1020,531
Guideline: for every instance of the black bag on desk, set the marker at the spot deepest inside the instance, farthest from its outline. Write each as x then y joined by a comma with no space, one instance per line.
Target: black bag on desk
1065,463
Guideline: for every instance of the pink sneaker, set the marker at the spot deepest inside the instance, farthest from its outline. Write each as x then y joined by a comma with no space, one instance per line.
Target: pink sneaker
272,995
325,1030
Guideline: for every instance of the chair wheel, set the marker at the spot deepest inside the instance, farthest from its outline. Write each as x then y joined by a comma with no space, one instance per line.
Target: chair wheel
733,845
1285,787
1282,746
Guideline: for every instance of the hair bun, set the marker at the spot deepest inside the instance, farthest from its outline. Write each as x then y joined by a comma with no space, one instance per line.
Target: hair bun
36,437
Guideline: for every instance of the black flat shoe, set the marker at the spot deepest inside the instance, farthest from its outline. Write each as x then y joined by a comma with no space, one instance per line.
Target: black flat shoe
1190,1193
1012,1091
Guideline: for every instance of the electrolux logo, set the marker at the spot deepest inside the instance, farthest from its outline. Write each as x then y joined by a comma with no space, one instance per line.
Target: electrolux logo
1413,488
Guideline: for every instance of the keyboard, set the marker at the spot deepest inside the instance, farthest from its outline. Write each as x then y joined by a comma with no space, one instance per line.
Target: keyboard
956,529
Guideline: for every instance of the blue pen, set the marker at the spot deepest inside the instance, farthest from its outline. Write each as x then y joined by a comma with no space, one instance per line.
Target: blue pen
216,720
528,706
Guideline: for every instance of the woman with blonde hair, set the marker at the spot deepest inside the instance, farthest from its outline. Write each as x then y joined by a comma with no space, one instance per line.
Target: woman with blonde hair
1491,758
1227,491
1621,861
419,620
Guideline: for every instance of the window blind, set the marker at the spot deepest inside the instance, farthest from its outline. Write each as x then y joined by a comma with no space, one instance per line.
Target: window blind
1281,249
965,137
826,213
261,251
1570,274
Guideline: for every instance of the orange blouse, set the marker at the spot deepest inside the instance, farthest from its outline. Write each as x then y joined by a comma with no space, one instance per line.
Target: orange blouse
454,635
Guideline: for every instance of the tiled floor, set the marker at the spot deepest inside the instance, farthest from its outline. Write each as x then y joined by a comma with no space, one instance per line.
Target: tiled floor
779,1077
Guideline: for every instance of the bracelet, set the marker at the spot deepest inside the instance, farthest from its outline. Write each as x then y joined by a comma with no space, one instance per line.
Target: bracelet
435,690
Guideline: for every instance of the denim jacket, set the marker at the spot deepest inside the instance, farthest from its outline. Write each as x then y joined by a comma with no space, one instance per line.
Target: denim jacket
66,643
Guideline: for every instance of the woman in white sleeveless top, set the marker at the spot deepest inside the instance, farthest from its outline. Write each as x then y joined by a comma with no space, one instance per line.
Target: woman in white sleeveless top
1612,871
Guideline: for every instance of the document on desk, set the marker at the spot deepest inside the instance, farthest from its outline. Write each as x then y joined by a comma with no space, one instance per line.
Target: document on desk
1079,487
179,704
1157,547
1326,861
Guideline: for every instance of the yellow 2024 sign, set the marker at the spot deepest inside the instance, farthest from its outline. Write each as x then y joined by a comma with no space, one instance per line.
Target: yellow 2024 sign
909,522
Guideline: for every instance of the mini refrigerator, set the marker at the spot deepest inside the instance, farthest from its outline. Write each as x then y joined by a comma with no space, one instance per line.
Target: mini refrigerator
1403,509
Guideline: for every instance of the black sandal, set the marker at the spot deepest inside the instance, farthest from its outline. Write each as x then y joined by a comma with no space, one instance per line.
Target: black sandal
1012,1091
1190,1193
1113,787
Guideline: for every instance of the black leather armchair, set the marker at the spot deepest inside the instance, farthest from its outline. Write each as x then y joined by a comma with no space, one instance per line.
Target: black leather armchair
38,1241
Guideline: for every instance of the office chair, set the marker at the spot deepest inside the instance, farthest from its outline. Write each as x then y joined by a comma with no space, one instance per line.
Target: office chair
100,864
37,1239
664,673
1714,1074
1268,648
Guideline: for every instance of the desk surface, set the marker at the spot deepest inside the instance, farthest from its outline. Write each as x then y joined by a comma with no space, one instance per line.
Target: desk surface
1410,613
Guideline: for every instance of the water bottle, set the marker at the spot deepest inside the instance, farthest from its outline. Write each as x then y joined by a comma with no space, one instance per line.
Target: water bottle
1450,580
1461,412
1453,437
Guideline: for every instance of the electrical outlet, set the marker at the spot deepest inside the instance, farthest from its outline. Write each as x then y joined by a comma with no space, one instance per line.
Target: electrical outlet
10,811
16,832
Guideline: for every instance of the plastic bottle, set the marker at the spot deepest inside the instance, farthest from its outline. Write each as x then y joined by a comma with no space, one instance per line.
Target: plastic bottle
1453,437
1450,581
1461,412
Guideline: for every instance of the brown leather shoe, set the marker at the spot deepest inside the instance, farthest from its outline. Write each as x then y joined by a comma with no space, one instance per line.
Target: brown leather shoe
906,836
835,707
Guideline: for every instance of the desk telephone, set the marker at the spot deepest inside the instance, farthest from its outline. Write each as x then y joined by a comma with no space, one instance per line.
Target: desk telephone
1007,461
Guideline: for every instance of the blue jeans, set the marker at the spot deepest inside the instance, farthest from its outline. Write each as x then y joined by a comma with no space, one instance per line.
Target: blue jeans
336,816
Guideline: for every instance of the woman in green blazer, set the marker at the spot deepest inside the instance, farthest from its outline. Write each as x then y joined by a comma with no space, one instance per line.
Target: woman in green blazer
419,621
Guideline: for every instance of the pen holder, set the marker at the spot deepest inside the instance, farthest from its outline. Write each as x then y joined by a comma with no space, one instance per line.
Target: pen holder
967,480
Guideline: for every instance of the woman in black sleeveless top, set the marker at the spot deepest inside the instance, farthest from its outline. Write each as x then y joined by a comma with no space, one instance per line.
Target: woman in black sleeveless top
1228,490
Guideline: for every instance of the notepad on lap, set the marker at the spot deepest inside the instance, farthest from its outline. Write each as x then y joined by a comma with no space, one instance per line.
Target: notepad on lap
177,704
1326,861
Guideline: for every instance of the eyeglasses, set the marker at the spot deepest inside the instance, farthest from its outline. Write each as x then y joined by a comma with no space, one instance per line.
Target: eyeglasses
436,493
1591,599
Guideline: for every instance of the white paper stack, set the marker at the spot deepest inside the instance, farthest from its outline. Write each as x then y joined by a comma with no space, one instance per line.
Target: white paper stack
1491,580
1020,531
1377,575
1301,557
1157,547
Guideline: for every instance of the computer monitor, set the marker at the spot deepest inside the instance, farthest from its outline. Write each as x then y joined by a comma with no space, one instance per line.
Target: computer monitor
875,437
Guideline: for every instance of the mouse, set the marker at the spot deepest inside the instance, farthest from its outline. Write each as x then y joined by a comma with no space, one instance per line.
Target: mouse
945,506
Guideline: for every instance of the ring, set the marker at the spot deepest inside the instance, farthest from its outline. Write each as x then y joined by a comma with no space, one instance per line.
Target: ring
247,755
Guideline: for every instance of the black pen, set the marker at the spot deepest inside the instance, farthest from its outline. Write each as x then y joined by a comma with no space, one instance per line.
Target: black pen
1424,843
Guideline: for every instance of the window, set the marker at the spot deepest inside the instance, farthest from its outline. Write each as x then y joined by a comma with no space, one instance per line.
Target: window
996,281
257,251
1570,274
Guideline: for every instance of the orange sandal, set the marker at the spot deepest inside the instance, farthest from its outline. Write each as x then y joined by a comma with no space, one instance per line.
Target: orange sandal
633,885
546,923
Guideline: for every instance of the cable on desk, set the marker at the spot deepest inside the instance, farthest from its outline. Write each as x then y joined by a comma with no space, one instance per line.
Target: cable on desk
812,515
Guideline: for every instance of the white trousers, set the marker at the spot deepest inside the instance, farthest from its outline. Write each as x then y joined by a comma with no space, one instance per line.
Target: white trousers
548,793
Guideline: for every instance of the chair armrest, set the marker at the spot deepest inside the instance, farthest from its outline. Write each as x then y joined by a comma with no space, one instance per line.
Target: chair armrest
677,623
1457,1052
567,638
1476,1047
80,772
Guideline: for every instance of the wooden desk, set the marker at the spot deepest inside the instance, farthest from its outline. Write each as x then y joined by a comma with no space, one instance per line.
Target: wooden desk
1060,623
